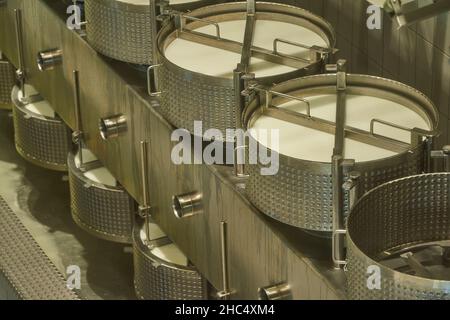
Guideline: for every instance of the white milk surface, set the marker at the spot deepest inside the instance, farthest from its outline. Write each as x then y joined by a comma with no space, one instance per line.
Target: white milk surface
98,175
221,63
309,144
41,108
171,253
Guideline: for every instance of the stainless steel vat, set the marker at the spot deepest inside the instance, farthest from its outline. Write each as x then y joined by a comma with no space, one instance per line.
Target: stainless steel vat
106,211
125,31
301,193
43,141
159,279
401,219
187,96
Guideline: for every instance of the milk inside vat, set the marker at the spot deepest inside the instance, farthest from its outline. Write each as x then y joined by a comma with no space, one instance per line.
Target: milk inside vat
313,145
98,175
221,63
41,108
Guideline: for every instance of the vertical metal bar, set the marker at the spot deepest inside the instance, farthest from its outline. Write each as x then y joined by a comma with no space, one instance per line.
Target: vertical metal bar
20,48
246,53
337,164
338,209
225,293
145,191
239,156
78,121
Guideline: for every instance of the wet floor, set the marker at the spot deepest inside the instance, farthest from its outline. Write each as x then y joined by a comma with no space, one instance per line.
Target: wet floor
40,198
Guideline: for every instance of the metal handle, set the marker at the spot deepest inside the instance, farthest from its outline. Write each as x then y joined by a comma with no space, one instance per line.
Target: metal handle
150,70
336,244
386,123
313,54
208,22
271,93
417,134
187,205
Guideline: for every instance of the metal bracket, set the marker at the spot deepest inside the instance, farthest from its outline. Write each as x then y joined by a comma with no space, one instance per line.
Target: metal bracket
351,187
241,79
443,154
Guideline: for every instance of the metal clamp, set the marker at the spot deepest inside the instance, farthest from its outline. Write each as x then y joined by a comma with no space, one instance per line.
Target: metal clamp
240,82
150,70
351,186
443,154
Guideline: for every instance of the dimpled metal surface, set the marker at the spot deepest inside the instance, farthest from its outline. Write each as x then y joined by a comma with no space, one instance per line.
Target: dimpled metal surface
302,197
42,141
300,194
157,280
6,82
107,212
400,213
185,99
120,31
